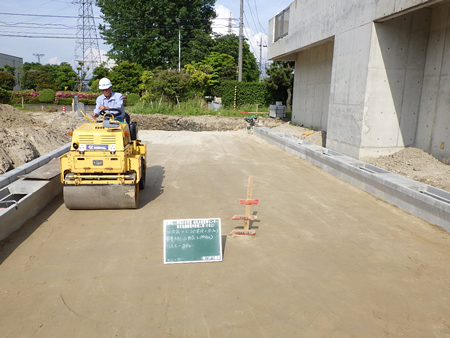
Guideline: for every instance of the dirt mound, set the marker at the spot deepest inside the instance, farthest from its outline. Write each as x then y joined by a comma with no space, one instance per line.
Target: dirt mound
196,123
416,164
308,135
26,136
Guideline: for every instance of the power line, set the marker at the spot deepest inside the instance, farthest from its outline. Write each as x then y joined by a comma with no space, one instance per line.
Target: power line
246,33
40,26
56,27
131,38
257,16
42,15
98,17
251,13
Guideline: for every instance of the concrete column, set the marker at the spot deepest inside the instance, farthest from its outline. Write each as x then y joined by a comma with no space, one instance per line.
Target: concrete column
348,90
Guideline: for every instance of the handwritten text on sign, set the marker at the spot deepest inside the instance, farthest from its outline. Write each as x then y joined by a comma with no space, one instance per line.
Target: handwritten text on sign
192,240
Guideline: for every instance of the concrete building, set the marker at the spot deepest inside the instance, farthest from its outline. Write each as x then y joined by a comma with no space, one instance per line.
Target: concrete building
12,61
375,74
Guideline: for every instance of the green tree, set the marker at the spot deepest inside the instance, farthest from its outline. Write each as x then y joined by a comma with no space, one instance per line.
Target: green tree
200,76
220,67
37,77
7,80
146,32
98,73
9,69
229,44
125,77
65,76
280,81
81,76
166,83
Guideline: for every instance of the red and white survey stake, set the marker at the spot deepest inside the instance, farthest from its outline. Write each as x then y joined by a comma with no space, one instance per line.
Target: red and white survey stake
247,217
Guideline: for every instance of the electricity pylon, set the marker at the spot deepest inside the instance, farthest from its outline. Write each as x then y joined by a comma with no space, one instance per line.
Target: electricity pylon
86,49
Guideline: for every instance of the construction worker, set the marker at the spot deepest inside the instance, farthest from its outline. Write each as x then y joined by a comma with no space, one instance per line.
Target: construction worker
109,100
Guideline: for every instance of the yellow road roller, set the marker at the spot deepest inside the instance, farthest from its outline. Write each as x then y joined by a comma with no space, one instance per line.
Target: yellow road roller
106,165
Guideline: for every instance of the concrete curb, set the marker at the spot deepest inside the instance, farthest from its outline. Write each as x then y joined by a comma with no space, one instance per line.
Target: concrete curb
21,199
421,200
27,168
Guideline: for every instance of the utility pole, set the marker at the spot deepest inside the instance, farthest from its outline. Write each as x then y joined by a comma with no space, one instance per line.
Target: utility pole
260,58
241,38
179,45
39,56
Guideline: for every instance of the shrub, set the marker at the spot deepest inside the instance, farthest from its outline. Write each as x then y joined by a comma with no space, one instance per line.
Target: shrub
94,86
132,99
28,97
5,96
64,102
246,93
47,96
7,81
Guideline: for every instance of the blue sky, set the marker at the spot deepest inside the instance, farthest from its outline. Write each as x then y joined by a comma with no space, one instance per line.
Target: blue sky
56,50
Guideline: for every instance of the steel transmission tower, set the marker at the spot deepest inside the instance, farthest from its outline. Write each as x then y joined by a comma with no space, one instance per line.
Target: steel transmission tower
86,48
230,25
39,56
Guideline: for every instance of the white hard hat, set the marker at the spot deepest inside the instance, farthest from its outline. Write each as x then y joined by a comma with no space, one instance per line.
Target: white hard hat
104,84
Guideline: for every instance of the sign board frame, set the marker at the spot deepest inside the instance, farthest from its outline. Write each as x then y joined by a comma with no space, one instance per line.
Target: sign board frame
196,240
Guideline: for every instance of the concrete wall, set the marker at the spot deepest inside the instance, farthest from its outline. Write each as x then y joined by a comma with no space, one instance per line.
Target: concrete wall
380,56
394,83
12,61
433,134
312,86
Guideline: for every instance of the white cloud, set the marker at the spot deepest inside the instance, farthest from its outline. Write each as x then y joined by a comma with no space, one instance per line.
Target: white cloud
54,61
222,22
220,25
257,41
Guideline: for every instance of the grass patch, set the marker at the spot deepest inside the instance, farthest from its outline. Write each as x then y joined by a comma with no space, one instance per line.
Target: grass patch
194,107
19,106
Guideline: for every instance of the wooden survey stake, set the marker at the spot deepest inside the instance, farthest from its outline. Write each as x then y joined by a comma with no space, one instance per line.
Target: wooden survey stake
247,217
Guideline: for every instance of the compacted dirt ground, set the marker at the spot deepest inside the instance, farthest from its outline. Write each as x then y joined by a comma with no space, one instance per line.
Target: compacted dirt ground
327,260
28,135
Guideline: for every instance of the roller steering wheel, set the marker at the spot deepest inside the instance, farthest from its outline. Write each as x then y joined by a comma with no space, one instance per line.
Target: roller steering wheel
108,111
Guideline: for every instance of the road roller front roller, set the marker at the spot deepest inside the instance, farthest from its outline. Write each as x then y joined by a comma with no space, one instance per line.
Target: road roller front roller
105,167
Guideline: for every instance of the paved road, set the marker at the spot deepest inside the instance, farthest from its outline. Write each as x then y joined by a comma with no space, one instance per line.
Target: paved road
328,260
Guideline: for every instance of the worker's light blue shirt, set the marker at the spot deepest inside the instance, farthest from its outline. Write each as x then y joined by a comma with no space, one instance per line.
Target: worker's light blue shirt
115,101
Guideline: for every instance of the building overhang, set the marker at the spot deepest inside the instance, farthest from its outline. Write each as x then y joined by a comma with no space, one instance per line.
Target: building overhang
292,55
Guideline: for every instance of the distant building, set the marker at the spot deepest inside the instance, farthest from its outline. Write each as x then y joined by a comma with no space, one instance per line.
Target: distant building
375,74
12,61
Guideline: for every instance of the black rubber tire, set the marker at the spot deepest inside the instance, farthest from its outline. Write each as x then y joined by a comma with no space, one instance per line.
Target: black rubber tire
133,131
143,174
